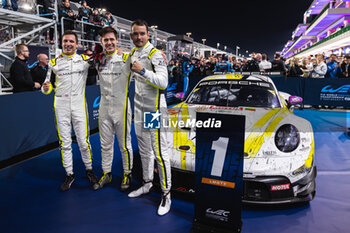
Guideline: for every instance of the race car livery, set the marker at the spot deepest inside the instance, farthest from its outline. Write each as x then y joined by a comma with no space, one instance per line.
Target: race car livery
279,146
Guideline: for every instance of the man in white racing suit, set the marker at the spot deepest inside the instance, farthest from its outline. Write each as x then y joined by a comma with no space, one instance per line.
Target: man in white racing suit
70,72
115,112
151,78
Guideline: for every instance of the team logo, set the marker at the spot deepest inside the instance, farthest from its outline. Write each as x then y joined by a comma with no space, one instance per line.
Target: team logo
151,120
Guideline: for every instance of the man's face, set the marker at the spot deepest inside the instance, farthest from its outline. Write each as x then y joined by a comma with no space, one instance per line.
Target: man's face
333,58
139,35
25,52
109,42
69,44
43,59
66,3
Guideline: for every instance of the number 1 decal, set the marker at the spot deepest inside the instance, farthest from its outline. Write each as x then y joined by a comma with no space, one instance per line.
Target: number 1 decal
220,147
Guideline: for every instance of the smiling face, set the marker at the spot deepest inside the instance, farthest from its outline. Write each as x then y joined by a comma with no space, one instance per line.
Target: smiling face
69,44
139,35
109,42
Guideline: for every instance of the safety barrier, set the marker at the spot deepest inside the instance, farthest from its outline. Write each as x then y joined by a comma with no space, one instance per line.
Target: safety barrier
27,120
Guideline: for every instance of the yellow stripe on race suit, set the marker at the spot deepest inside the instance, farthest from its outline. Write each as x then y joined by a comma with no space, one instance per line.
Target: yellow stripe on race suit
84,57
87,129
152,52
125,125
125,57
53,61
58,131
254,142
153,85
158,144
309,161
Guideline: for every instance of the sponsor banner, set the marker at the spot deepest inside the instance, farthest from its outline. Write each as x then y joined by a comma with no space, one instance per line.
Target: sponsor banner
330,92
219,174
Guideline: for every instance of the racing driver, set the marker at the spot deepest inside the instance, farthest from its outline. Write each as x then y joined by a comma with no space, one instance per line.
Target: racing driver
115,111
70,72
151,78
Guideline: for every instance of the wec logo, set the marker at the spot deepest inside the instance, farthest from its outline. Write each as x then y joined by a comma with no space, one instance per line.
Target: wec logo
223,213
342,89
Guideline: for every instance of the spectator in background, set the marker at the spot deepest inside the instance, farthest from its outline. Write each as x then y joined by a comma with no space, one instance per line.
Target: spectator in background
39,70
92,73
278,65
253,64
265,65
45,12
332,67
19,71
95,19
66,12
84,13
345,67
306,67
294,68
14,4
109,20
320,69
223,65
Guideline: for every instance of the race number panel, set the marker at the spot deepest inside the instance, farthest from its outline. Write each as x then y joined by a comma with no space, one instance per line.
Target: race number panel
219,174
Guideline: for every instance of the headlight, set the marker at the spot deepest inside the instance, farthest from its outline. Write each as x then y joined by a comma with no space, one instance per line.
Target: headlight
287,138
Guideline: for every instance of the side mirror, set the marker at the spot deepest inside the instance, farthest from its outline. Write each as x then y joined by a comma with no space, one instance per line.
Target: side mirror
293,100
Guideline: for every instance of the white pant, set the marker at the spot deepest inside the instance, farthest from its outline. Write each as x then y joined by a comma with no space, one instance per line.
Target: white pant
73,110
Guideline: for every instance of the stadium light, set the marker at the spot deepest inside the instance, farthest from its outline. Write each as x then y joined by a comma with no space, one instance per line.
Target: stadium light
189,34
204,40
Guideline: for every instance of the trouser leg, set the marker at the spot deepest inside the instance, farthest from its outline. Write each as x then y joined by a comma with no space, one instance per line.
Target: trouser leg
64,131
106,129
146,151
81,129
124,140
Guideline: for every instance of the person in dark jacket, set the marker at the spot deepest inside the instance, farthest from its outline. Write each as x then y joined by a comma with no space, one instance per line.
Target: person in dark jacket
39,68
278,64
19,71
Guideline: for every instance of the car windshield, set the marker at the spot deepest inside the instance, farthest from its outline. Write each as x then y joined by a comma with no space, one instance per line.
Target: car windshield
235,93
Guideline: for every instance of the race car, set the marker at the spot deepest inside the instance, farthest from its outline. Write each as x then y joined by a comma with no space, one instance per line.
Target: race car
278,162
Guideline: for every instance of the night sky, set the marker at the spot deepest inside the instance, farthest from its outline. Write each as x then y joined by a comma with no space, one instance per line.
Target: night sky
261,26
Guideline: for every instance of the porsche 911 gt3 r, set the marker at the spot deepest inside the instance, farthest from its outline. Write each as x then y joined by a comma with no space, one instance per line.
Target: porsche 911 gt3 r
279,146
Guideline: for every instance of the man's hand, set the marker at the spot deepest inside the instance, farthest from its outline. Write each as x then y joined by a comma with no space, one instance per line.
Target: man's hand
46,86
136,67
37,85
164,56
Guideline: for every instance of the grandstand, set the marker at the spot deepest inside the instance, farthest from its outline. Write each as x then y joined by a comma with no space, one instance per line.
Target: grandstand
27,26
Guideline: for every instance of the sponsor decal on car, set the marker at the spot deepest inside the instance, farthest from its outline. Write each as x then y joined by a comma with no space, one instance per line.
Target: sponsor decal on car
280,187
220,183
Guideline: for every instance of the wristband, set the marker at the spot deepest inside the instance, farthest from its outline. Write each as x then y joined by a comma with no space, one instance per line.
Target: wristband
143,71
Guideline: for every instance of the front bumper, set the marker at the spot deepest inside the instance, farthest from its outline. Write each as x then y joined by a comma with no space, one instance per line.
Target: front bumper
258,190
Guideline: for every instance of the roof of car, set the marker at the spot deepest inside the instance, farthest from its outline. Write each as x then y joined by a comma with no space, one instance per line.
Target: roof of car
237,77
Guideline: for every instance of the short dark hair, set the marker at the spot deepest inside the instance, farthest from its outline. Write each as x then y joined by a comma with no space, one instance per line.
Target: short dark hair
277,55
70,32
140,22
106,30
347,56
